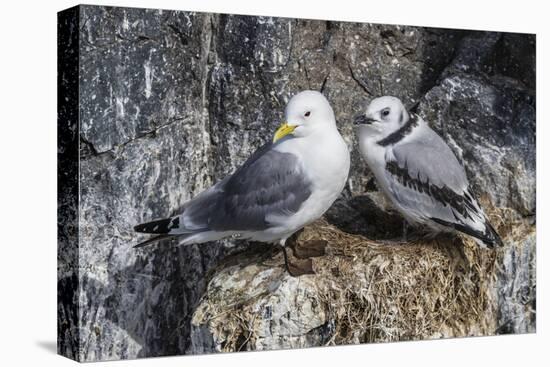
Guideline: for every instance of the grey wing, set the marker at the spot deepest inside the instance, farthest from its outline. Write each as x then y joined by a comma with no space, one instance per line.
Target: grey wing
427,181
429,158
268,183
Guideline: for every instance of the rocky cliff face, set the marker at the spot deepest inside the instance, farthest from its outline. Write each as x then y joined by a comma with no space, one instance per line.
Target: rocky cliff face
171,102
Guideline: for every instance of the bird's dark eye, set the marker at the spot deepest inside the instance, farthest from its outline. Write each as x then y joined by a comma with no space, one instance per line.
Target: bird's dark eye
385,112
307,114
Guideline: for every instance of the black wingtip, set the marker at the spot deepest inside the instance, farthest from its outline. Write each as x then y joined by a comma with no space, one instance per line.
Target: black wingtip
490,237
139,228
160,226
493,239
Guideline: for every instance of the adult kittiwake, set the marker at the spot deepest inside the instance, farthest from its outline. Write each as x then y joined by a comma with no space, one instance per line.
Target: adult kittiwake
416,169
283,186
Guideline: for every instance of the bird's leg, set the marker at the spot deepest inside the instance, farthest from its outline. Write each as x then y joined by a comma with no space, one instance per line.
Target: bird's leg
405,227
287,266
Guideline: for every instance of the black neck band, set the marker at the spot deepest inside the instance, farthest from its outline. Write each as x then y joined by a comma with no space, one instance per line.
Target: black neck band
401,132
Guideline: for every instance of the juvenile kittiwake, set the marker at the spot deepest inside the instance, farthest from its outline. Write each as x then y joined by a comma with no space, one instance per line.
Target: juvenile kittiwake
283,186
419,173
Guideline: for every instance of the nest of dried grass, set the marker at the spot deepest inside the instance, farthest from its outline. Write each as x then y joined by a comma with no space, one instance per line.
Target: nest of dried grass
389,291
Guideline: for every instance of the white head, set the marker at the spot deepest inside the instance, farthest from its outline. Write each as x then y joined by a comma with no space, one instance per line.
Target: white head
384,116
306,113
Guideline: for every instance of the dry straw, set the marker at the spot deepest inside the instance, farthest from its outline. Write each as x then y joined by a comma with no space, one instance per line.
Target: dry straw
377,291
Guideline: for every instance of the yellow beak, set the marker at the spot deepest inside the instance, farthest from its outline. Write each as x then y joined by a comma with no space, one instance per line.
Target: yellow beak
283,131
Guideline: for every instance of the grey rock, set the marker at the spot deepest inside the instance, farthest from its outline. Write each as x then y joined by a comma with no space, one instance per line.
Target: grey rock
172,101
516,290
67,183
463,108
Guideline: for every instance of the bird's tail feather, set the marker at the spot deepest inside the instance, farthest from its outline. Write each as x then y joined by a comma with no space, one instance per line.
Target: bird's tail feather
492,235
166,228
489,237
153,240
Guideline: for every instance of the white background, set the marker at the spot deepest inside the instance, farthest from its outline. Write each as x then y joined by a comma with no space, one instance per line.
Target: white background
28,181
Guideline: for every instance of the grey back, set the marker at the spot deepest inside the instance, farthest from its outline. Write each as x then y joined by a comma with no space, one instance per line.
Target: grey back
268,183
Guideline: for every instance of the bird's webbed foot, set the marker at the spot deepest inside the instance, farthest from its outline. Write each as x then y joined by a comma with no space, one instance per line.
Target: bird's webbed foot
298,266
308,249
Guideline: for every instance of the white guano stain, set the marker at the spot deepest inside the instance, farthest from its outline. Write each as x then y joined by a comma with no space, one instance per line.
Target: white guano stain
125,23
148,78
119,106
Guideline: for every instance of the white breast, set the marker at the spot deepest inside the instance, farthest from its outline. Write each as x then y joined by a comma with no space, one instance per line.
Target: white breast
375,156
326,161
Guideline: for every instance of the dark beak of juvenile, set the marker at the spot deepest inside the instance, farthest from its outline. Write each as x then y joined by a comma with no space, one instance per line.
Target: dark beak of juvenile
362,120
